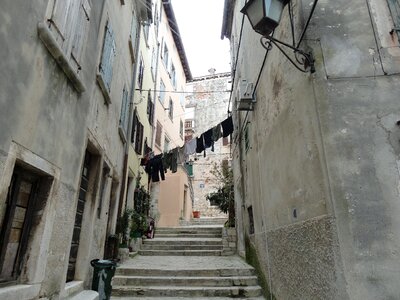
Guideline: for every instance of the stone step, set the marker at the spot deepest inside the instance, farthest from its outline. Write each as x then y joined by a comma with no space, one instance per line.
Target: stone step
184,281
188,291
219,272
188,229
188,235
186,298
180,252
182,241
180,247
85,295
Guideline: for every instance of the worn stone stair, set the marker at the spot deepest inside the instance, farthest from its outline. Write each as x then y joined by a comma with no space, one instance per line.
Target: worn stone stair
189,277
185,266
184,241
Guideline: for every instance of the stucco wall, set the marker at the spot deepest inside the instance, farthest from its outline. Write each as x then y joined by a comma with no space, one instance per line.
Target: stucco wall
322,173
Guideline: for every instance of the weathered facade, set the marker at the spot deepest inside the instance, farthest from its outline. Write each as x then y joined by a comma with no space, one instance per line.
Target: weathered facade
316,162
170,198
207,106
68,75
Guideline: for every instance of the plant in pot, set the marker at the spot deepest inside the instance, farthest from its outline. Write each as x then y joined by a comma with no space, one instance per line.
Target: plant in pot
138,225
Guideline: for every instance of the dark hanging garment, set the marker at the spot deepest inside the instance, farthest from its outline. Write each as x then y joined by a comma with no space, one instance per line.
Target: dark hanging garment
208,140
216,133
200,144
155,168
227,127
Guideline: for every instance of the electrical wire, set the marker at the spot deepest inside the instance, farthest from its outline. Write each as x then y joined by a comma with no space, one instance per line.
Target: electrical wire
183,92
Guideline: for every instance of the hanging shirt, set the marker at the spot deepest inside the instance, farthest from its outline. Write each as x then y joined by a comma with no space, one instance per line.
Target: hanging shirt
200,144
155,168
190,147
208,140
216,133
227,127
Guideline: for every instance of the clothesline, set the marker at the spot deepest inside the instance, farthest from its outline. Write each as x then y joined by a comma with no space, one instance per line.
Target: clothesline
157,165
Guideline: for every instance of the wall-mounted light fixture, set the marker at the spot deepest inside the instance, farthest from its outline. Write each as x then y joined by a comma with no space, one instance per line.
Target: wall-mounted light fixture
264,17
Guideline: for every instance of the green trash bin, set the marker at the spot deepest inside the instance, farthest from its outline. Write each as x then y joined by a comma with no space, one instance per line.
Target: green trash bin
102,275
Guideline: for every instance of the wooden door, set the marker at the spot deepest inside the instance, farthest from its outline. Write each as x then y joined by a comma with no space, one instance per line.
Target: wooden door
17,222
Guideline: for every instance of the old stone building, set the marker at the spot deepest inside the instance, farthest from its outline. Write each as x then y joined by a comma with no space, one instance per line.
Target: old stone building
207,106
67,77
316,158
170,198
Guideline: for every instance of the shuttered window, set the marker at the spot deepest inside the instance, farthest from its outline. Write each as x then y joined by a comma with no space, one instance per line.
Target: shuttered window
134,36
394,6
123,121
107,57
62,9
81,31
149,108
173,76
158,133
162,92
141,73
171,109
181,129
139,138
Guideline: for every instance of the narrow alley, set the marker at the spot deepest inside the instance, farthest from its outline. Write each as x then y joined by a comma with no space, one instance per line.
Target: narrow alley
199,149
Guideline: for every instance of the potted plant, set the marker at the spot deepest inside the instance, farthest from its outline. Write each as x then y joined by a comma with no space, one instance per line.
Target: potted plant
122,233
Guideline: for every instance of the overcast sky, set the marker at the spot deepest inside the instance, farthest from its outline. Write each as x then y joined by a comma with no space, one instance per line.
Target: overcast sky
200,23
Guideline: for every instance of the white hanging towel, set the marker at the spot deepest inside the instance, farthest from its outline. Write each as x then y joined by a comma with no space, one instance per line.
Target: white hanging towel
190,147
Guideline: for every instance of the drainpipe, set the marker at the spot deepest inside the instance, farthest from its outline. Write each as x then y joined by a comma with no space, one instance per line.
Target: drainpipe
130,123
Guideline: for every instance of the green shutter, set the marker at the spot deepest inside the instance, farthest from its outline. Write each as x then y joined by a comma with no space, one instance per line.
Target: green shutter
124,110
189,169
394,6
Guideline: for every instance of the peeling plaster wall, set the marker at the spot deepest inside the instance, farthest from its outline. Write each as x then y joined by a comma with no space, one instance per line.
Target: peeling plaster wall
322,171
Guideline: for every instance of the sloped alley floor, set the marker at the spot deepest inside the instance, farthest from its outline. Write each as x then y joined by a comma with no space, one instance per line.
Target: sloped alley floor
180,275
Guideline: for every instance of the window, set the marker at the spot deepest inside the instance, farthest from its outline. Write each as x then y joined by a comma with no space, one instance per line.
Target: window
171,109
141,72
182,98
165,56
158,134
81,30
146,29
107,59
138,142
181,129
133,38
247,137
150,109
153,63
188,124
67,28
162,92
166,144
189,168
123,120
173,76
251,220
394,6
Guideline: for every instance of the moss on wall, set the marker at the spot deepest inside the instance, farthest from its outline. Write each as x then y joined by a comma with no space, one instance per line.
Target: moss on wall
252,259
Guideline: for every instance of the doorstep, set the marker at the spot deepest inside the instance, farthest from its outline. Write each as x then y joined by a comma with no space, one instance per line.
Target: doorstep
20,291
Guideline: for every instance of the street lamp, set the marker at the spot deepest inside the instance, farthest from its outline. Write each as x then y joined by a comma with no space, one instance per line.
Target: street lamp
264,17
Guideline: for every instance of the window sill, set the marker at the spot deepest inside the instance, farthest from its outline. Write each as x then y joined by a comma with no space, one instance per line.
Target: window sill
122,134
103,88
61,59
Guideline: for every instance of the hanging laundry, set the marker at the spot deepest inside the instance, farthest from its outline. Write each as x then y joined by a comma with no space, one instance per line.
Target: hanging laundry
155,168
170,160
181,155
208,140
190,147
216,133
227,127
200,144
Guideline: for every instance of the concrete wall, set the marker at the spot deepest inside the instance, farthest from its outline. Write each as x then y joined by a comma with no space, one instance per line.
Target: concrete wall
47,122
321,173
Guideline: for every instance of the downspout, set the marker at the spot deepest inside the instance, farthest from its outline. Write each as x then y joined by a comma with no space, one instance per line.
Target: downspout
130,119
155,85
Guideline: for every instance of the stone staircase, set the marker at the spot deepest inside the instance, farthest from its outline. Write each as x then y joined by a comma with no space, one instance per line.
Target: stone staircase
185,241
185,263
